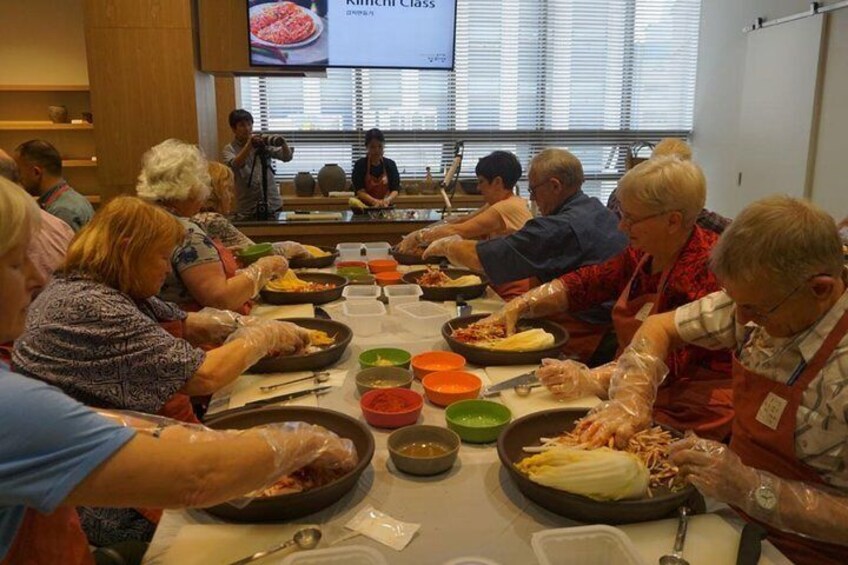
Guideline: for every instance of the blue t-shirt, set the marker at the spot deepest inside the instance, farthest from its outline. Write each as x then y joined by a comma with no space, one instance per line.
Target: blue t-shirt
581,232
49,443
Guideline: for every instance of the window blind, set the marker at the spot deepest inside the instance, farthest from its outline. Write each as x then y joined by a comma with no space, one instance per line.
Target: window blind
592,76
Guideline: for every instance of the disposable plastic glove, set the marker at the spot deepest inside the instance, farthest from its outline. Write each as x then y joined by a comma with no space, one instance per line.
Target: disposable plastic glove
290,249
270,337
439,248
264,270
549,298
568,380
410,244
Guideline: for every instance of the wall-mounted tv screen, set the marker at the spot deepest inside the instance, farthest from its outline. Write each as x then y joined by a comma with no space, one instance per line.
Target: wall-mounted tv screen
405,34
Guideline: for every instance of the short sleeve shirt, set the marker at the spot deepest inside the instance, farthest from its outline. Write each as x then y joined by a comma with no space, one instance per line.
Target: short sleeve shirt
197,249
103,348
249,188
68,205
49,443
514,212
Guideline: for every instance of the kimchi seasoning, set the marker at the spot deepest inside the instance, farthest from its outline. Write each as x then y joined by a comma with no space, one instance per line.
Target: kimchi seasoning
387,402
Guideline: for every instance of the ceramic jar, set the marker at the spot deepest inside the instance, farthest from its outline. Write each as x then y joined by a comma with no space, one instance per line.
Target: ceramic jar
58,114
304,184
331,178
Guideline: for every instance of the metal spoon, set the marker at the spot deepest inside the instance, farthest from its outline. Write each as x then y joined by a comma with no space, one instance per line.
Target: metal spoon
676,557
319,378
307,538
525,390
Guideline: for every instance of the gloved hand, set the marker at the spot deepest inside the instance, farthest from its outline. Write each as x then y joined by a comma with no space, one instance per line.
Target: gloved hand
264,270
713,468
410,243
212,326
568,380
298,444
440,247
290,249
270,337
549,298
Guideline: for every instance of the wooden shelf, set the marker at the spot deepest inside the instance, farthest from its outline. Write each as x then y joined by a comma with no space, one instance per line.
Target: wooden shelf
45,125
44,88
73,163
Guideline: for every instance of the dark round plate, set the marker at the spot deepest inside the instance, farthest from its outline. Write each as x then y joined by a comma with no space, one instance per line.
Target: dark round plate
295,505
526,432
444,293
488,358
313,361
315,262
412,259
320,297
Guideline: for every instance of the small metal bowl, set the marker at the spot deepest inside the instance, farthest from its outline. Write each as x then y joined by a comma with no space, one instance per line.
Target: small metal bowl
423,465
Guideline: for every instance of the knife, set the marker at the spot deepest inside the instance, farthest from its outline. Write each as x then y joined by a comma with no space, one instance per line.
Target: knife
288,396
523,379
750,544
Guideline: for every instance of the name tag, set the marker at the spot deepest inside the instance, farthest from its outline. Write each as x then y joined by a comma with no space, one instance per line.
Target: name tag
771,410
644,311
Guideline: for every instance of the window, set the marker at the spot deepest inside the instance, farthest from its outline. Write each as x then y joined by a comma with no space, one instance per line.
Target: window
592,76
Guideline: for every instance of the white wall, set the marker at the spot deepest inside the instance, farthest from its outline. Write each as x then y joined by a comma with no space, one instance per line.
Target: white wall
721,68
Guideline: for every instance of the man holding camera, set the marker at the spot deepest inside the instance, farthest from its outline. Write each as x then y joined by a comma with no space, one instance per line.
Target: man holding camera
243,157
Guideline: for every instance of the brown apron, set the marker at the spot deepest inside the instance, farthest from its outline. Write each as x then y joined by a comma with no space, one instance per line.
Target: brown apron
771,445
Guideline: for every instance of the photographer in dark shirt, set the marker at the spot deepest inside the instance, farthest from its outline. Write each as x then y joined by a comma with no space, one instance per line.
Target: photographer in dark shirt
241,156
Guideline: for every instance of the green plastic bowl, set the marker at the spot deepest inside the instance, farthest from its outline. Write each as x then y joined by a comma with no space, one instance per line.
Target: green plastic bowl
477,421
389,356
253,253
351,272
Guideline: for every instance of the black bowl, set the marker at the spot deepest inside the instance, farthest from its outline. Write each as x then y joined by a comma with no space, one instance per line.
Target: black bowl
312,361
526,431
488,358
315,262
320,297
413,259
296,505
445,293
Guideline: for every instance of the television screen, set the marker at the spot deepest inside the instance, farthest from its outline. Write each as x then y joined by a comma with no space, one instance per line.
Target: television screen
406,34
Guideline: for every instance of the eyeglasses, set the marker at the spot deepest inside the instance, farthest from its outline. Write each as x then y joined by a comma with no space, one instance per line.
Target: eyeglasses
756,314
532,189
630,221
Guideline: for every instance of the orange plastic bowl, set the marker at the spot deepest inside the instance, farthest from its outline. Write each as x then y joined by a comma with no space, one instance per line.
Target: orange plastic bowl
382,265
391,407
388,277
443,388
433,361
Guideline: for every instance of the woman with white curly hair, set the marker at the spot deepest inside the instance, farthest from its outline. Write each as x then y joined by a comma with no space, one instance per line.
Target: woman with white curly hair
175,176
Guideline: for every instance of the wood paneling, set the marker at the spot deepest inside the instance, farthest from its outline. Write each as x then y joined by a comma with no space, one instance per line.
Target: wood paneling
225,101
138,13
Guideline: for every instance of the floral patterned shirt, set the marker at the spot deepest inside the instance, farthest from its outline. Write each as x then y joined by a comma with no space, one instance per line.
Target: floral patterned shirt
197,249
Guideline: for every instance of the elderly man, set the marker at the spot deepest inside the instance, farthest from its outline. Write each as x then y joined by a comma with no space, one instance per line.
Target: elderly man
40,170
574,230
49,245
784,313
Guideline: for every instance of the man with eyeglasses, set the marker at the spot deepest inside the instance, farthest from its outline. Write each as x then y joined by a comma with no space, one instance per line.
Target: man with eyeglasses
572,230
784,314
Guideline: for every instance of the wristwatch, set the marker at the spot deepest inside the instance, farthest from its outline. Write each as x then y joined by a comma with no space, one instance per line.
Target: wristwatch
765,494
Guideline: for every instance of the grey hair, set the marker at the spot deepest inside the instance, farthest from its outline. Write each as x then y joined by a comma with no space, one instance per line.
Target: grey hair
20,216
8,167
561,165
779,241
174,170
666,184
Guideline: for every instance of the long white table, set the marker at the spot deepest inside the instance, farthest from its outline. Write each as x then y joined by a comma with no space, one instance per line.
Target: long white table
473,510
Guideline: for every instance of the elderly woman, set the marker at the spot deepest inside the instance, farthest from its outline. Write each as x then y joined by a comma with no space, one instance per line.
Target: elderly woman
212,217
504,212
74,456
98,332
783,312
175,176
375,178
665,266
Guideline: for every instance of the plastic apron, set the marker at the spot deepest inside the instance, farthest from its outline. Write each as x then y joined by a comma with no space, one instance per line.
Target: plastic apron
376,187
768,442
701,400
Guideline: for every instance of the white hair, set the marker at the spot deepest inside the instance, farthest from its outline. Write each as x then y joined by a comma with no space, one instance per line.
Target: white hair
665,184
20,216
174,170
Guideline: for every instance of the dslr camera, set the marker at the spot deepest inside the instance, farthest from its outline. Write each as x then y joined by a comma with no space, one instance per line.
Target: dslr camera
261,141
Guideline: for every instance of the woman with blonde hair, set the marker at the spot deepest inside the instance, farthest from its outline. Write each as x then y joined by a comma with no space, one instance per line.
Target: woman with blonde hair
175,176
58,453
665,266
99,332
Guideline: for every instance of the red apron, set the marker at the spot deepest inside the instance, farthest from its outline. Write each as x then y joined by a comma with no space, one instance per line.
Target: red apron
773,450
702,399
376,187
230,265
46,539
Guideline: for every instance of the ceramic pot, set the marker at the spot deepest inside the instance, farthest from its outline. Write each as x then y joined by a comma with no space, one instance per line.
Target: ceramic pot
304,184
58,114
331,178
412,187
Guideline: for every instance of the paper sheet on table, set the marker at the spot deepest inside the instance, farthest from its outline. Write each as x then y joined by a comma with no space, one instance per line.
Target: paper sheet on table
273,312
539,398
247,389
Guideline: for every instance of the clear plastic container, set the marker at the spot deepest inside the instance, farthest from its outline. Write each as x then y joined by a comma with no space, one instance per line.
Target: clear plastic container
377,250
365,317
424,319
362,292
401,294
350,251
585,545
347,555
